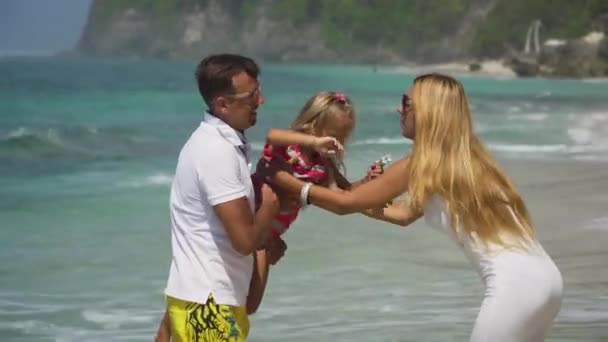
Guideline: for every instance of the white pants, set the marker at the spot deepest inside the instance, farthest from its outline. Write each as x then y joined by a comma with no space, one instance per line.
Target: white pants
523,296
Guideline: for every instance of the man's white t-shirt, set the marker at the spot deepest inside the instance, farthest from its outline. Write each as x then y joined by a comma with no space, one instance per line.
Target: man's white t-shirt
212,169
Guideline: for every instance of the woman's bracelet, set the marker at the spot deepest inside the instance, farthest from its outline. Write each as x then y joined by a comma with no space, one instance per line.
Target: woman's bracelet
304,194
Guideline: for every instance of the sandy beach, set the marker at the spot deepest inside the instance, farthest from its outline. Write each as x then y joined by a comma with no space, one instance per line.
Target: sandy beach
495,68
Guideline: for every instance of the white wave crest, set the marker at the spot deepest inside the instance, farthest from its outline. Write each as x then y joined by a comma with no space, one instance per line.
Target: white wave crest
114,319
589,130
381,141
158,179
528,148
528,117
598,223
18,133
594,80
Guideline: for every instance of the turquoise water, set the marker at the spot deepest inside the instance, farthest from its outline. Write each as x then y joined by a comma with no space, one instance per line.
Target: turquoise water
87,152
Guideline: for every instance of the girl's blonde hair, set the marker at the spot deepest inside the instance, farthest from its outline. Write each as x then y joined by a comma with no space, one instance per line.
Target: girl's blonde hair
320,109
448,159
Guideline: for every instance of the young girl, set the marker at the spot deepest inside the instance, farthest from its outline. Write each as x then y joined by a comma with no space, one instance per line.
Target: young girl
313,147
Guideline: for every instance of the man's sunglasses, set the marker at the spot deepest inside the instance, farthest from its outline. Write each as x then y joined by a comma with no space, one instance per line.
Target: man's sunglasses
254,94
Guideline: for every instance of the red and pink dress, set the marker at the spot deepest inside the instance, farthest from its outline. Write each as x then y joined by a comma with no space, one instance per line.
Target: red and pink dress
308,169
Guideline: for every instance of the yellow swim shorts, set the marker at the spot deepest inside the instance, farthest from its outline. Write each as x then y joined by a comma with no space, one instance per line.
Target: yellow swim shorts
207,322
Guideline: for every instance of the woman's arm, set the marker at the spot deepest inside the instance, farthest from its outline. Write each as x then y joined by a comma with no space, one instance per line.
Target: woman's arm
373,194
373,171
398,212
345,184
359,182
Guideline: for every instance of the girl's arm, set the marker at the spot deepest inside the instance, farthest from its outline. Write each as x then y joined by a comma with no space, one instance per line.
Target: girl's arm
323,145
259,278
373,194
164,329
283,137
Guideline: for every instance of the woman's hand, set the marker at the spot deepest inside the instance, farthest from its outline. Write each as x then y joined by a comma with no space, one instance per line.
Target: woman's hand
374,171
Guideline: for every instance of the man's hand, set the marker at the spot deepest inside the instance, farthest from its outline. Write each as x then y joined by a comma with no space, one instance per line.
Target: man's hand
275,249
270,200
266,169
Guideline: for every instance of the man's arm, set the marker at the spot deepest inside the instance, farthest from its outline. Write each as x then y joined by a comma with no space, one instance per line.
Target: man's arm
222,183
247,231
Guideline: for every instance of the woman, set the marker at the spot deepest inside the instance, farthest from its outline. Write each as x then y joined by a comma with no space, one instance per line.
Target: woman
453,181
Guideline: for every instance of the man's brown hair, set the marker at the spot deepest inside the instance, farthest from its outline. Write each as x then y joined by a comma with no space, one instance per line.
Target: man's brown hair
214,74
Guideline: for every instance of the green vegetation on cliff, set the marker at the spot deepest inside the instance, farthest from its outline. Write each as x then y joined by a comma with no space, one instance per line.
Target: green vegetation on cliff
407,28
164,12
388,23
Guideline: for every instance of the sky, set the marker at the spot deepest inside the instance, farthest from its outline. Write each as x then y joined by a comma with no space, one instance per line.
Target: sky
41,26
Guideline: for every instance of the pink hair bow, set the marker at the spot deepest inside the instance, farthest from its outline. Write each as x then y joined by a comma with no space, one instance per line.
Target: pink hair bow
341,97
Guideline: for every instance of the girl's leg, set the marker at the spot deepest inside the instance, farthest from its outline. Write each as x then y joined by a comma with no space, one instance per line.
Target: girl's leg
164,330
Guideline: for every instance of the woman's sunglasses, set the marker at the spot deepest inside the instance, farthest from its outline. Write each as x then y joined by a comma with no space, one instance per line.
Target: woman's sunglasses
406,103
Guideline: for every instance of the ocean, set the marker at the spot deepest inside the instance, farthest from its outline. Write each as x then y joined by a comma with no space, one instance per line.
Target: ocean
88,149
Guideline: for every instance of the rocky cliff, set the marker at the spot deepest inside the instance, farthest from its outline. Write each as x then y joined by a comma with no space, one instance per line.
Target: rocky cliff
200,29
352,31
277,31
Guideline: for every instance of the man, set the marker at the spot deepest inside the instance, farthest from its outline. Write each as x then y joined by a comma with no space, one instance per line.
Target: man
218,271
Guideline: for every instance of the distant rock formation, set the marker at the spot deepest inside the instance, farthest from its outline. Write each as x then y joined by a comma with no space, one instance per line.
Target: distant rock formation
586,56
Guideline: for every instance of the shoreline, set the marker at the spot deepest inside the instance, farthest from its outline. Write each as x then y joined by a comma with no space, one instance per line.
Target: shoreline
489,67
495,68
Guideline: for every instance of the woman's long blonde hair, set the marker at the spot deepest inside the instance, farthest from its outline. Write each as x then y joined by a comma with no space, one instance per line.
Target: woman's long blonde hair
321,109
448,159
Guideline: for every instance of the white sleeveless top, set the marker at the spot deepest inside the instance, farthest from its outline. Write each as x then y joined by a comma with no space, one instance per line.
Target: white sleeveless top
437,216
482,257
